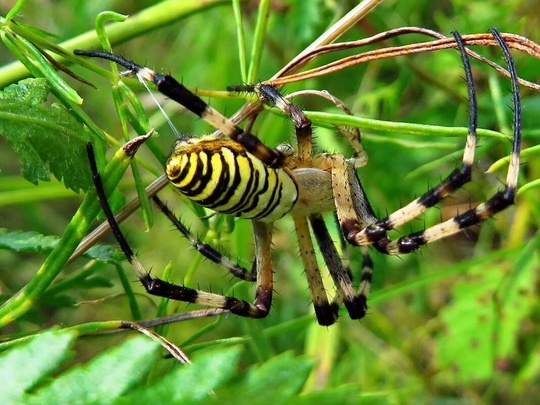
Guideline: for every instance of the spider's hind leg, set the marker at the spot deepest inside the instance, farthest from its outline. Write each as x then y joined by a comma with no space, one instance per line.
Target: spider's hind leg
376,234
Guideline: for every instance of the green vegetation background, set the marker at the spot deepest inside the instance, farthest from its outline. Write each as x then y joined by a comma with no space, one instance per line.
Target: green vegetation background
456,322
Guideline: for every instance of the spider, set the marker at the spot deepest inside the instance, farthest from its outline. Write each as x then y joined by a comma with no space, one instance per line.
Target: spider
237,174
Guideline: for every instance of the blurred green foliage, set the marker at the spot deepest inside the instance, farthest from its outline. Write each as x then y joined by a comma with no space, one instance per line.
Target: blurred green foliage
458,322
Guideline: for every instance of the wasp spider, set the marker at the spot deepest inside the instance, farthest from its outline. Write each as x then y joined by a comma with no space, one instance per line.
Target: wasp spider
235,173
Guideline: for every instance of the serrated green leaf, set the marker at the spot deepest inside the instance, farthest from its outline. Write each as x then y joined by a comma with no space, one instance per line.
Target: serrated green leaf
486,317
47,139
193,383
25,365
104,379
517,299
470,323
34,242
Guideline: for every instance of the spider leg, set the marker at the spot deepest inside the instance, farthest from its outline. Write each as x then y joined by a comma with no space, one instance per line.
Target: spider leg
367,264
170,87
206,250
162,288
326,312
356,304
376,233
265,272
367,273
302,124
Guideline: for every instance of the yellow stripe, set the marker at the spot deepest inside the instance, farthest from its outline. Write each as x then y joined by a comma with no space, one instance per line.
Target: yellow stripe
236,164
216,168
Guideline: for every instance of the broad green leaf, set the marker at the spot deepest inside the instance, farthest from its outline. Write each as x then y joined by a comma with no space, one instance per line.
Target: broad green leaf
485,318
25,365
280,379
47,139
193,383
104,379
517,299
469,323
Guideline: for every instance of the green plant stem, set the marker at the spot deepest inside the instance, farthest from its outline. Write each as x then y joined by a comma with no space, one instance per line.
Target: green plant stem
151,18
78,227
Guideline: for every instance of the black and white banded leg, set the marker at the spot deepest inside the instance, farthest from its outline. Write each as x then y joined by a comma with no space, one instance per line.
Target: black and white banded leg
161,288
203,248
376,233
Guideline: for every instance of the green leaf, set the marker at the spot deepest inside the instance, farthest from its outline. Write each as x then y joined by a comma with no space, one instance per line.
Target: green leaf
486,317
25,365
470,322
47,139
280,379
105,378
207,372
34,242
516,301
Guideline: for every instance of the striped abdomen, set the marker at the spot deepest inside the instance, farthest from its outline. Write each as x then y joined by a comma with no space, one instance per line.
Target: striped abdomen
220,174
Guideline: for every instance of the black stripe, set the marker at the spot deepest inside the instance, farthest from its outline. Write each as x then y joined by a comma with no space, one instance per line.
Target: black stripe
453,181
264,190
241,207
128,64
357,308
244,308
252,181
183,170
326,313
367,271
226,193
407,244
161,288
200,179
222,183
170,87
275,200
250,199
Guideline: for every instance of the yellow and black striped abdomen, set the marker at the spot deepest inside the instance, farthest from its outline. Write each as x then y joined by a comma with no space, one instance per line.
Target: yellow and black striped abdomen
220,174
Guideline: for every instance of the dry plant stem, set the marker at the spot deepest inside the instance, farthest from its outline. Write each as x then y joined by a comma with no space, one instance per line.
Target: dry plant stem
184,316
170,347
383,36
329,36
514,41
